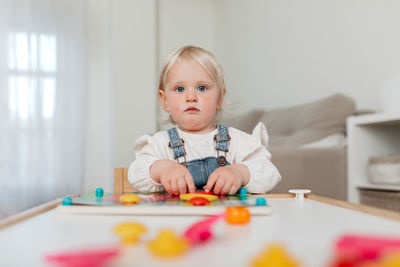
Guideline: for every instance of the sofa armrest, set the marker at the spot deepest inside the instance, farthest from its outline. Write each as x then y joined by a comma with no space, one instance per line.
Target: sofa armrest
321,170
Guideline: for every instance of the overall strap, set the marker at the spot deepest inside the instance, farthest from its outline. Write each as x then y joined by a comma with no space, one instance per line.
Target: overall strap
176,143
222,138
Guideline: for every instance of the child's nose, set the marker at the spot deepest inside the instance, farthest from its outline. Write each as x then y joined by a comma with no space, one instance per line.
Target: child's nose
191,96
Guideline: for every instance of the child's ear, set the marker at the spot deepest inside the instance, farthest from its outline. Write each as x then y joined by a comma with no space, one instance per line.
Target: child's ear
163,100
220,99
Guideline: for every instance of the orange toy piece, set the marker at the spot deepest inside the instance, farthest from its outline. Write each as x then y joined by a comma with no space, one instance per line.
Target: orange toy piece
274,255
130,232
167,244
237,215
129,198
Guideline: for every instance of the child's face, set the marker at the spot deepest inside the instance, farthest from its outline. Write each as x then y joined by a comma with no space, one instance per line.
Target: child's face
191,96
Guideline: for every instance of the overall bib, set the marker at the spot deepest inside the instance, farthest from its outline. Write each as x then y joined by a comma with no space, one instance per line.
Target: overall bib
201,169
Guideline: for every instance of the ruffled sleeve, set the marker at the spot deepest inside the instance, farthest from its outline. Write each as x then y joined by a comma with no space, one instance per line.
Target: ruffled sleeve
260,133
147,150
252,152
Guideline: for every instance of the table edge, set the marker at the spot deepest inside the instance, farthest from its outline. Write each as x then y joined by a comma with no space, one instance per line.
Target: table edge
24,215
19,217
393,215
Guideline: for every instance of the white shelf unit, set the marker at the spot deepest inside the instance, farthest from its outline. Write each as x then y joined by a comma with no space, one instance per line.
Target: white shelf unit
368,136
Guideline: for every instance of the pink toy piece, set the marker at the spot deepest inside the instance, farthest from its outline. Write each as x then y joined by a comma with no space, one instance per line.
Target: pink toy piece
366,247
200,231
84,258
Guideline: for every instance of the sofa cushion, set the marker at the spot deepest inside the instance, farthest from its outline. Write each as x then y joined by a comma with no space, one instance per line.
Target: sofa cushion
321,170
245,122
299,125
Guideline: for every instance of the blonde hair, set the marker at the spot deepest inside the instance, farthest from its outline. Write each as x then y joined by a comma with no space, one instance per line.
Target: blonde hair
203,57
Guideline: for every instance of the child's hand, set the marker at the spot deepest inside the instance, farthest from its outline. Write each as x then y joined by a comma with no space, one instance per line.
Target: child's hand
175,178
228,179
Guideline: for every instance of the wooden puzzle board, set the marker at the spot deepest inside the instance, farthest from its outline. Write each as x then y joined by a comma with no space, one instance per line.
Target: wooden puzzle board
158,204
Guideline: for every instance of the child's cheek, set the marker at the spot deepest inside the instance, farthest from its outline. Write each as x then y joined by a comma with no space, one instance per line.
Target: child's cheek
173,105
210,104
174,109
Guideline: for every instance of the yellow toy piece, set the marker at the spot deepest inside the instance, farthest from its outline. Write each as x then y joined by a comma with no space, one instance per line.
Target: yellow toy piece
274,255
167,244
129,198
391,259
130,232
189,196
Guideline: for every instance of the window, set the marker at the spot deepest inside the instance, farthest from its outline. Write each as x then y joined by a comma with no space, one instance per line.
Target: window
32,65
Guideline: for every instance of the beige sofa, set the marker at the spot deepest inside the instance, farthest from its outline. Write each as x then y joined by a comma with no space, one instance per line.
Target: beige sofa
307,143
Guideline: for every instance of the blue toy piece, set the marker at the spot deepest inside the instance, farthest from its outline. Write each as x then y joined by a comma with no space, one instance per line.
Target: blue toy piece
260,201
242,197
99,192
67,201
242,191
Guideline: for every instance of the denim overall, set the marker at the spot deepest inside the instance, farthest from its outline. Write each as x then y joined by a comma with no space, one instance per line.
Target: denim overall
201,169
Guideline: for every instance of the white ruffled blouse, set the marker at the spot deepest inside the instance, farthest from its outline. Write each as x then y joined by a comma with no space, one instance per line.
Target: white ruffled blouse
244,148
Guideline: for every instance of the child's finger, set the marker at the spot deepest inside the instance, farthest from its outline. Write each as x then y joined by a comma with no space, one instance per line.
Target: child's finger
233,190
211,182
174,188
190,184
219,184
167,187
226,188
181,186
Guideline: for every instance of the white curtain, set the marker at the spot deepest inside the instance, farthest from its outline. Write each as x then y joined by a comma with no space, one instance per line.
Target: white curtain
42,101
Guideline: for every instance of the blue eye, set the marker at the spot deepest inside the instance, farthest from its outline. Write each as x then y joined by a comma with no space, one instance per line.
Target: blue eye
179,89
201,88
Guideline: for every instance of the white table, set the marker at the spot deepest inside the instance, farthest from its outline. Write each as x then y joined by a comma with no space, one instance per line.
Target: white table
308,230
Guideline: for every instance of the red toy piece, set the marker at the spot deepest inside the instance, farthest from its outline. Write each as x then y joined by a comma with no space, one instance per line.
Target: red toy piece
199,201
200,232
359,250
366,247
85,258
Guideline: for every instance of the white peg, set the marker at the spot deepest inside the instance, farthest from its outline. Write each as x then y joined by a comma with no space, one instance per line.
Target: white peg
300,193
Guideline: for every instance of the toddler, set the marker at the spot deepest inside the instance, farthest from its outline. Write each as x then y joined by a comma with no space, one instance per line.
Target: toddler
199,154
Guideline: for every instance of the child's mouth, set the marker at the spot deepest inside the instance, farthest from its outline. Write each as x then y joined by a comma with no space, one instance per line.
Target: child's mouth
191,109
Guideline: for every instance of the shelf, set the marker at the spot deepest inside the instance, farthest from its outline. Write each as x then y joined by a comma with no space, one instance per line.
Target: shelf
386,187
376,119
370,136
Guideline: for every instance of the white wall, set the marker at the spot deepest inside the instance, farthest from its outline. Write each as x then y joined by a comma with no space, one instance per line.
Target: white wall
133,50
183,22
121,80
281,53
98,145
